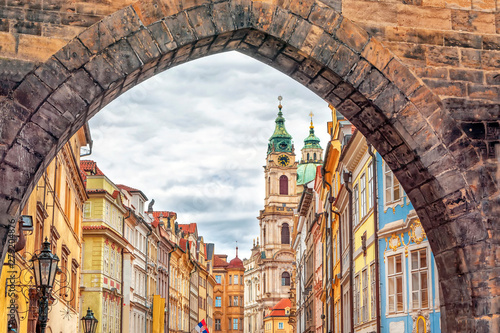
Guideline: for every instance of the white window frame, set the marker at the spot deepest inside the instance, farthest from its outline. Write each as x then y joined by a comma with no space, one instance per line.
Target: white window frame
411,271
391,202
355,205
362,196
364,294
403,267
370,185
281,325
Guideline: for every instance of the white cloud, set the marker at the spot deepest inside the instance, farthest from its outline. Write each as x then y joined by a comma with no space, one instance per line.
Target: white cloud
195,138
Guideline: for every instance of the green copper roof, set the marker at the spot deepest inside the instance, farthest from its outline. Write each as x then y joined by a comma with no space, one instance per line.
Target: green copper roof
306,172
312,141
281,140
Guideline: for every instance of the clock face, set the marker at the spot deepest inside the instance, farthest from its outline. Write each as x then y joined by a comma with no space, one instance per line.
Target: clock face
283,160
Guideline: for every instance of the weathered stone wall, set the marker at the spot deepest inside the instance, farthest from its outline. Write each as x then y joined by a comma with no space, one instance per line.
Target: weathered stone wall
454,45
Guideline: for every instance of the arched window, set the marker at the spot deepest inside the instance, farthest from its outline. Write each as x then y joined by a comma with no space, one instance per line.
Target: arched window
284,185
285,279
285,234
315,156
307,156
264,236
269,185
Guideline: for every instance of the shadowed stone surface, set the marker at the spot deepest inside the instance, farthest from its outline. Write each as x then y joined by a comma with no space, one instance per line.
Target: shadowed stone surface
443,149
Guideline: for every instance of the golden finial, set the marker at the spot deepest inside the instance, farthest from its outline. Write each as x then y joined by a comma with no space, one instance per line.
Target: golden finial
280,99
311,115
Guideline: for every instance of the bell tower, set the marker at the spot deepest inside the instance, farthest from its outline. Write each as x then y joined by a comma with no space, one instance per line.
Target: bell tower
281,168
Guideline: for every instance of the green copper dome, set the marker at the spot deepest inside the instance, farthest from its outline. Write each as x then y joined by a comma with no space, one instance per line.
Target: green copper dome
306,172
312,141
281,140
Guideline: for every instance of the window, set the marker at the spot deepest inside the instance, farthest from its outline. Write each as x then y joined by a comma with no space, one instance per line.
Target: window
217,324
370,185
285,279
64,275
392,187
235,323
284,185
236,279
365,295
362,186
372,291
419,279
280,325
74,274
285,234
356,299
355,204
218,279
235,300
230,279
218,301
241,279
395,281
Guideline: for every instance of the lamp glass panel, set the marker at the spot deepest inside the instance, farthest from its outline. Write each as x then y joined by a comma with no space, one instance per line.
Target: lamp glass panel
36,268
53,271
44,271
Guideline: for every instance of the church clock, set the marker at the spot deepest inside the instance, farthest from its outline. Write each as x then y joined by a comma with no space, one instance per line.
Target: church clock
283,160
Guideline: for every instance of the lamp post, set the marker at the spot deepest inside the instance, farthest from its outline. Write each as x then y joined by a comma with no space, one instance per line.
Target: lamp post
89,322
45,268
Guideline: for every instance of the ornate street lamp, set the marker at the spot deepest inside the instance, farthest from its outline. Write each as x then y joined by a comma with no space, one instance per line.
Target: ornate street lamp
45,268
89,322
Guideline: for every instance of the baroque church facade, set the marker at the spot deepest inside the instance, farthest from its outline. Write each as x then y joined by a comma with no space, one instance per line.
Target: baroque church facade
268,272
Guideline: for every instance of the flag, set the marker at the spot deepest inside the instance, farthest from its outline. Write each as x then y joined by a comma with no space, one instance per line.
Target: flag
202,327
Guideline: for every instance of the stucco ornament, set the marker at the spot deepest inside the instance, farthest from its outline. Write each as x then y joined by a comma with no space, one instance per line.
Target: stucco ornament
417,233
415,317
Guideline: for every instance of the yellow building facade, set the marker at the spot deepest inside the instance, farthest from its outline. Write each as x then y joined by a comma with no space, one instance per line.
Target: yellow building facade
102,285
55,206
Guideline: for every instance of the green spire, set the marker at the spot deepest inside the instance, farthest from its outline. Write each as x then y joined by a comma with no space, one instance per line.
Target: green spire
312,141
280,141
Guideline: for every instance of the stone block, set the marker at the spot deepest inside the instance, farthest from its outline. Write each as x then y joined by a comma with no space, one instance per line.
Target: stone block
349,109
12,118
490,60
122,56
373,84
270,48
442,56
283,24
36,139
52,73
466,75
445,126
81,83
69,104
300,33
470,58
424,17
31,92
78,19
352,35
324,17
343,61
411,54
186,4
321,86
411,118
310,68
377,13
473,21
331,76
73,55
343,90
122,23
460,39
491,42
426,138
221,13
431,72
144,46
359,72
376,54
14,182
163,37
402,77
181,30
372,118
102,71
301,77
379,142
285,64
151,11
293,53
27,28
302,8
96,38
450,182
51,120
201,22
413,35
325,48
425,101
255,38
447,88
242,13
479,91
262,15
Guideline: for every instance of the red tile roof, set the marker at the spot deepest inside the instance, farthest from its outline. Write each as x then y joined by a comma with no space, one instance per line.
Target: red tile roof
90,167
236,263
279,309
156,216
218,262
127,188
188,228
183,244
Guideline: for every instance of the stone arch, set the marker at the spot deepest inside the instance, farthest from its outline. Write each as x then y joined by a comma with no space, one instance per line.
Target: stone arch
433,158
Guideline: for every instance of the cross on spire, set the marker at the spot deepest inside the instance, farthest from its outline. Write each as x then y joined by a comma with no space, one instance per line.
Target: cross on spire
311,115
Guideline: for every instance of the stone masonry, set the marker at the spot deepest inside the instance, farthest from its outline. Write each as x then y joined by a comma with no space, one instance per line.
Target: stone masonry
418,78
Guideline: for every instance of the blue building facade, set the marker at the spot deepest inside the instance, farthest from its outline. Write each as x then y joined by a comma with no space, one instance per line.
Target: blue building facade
409,291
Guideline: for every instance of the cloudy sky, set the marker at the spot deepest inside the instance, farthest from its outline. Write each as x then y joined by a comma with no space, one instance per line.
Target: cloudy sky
195,139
